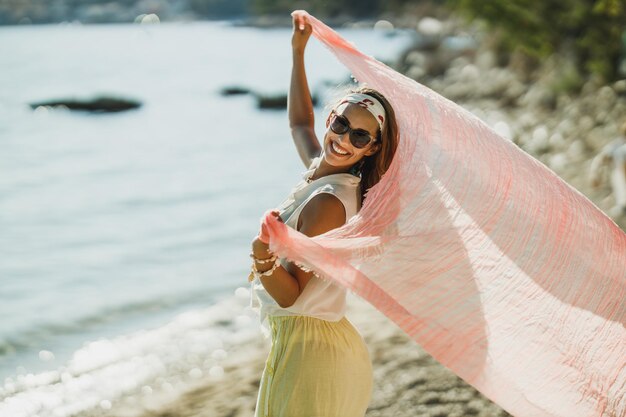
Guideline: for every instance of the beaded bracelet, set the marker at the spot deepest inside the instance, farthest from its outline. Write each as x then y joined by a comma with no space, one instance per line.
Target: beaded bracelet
255,273
263,261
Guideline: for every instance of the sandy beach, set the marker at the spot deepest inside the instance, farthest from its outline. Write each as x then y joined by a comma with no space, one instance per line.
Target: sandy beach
407,381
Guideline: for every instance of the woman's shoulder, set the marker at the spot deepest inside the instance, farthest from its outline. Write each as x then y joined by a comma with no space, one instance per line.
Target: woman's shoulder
323,212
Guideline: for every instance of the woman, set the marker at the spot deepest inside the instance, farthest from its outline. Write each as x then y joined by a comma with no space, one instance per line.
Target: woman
319,364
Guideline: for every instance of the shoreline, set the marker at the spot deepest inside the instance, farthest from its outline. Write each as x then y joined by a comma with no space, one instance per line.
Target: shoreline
407,380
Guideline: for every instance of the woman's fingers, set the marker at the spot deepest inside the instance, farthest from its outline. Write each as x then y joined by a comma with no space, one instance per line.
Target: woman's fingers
298,13
300,19
276,214
296,19
264,235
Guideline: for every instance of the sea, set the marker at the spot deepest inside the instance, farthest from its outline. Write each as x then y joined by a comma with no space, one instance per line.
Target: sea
125,237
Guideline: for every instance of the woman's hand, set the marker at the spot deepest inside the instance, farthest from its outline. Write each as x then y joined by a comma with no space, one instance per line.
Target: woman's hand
301,30
261,249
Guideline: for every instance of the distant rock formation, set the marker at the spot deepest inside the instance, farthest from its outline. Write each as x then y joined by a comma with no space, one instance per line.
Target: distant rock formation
234,90
276,101
98,105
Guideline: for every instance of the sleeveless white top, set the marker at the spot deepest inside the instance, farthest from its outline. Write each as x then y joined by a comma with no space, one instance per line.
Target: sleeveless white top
320,298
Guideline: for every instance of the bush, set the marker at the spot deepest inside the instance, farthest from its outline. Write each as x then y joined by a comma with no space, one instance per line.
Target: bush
591,28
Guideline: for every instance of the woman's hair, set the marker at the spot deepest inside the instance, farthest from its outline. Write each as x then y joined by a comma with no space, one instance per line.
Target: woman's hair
374,166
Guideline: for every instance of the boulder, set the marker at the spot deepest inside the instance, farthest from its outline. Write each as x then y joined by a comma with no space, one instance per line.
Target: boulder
96,105
276,101
234,90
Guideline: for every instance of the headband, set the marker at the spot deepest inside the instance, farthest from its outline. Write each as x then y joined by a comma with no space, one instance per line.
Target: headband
369,103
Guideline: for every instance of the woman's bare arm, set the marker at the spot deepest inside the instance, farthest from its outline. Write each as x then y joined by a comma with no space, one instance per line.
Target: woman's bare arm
300,104
322,213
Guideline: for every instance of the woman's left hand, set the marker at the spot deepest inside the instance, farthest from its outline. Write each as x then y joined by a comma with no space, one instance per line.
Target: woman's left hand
261,249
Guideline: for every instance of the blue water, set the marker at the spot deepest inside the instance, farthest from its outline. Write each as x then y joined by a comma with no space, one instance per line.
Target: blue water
111,223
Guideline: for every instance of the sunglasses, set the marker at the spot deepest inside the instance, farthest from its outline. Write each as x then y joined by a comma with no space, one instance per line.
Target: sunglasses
359,138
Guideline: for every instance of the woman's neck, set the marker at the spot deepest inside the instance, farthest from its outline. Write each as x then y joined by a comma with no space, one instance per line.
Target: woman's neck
324,169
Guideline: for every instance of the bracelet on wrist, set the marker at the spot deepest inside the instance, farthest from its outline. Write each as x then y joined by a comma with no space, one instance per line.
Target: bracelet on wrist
255,272
263,260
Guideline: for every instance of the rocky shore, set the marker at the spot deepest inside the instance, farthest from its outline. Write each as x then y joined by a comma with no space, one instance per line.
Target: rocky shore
560,120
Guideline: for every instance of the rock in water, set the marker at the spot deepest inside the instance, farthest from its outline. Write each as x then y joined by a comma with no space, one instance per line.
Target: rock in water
97,105
234,90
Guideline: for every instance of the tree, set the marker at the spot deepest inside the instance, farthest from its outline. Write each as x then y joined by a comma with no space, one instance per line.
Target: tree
592,29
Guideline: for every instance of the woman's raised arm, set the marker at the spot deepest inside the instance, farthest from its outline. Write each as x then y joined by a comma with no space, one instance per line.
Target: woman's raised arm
300,104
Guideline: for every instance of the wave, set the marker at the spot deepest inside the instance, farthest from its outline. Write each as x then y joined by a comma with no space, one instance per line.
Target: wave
190,346
38,335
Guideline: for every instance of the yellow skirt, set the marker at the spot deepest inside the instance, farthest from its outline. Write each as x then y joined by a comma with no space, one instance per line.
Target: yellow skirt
315,368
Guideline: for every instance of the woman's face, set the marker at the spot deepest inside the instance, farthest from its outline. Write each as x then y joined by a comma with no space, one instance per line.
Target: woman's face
359,118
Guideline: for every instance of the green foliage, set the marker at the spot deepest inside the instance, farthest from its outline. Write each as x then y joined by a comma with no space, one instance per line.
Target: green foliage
568,81
591,29
219,8
326,9
322,8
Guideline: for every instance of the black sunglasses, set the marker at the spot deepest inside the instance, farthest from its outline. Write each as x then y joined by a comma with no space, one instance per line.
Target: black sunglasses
359,138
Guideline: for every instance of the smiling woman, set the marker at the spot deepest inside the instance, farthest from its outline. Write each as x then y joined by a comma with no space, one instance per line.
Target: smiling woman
319,364
372,135
499,269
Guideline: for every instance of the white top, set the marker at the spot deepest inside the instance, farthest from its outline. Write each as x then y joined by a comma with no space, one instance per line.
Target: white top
320,298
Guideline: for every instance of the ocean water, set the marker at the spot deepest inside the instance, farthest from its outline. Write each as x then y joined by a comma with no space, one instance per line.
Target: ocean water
125,235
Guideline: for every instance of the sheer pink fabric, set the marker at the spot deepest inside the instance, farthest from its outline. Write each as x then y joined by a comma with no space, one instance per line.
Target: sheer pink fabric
498,268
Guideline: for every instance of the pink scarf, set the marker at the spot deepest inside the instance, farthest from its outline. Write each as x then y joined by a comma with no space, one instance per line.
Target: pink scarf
499,269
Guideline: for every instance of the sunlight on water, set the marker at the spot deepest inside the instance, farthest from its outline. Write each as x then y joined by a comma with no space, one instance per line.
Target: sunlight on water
125,236
145,362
